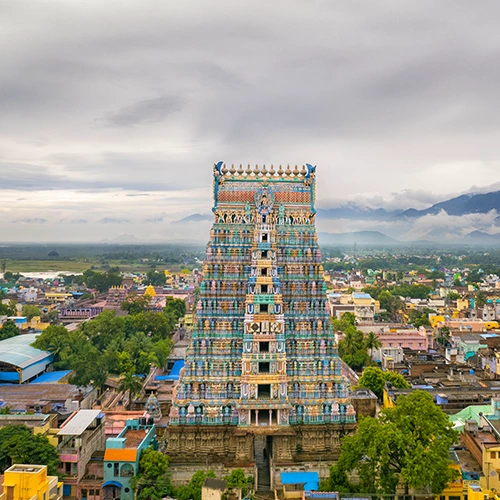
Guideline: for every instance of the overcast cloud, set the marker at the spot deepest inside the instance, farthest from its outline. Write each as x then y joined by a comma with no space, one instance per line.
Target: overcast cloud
113,113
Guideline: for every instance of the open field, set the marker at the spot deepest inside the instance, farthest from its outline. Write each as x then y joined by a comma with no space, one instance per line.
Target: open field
26,266
81,265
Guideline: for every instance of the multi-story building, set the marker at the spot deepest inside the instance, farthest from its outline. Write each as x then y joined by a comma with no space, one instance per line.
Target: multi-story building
30,482
80,436
262,374
121,458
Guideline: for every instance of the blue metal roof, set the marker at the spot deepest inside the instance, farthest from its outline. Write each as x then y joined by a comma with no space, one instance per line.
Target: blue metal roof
51,377
310,480
174,372
361,295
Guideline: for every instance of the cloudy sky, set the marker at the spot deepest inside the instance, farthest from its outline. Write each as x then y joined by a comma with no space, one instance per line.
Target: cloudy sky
112,113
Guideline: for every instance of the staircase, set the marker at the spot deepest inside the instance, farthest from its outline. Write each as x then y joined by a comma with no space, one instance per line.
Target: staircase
262,463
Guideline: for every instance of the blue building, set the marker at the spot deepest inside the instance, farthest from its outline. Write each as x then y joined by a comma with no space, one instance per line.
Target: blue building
121,458
19,362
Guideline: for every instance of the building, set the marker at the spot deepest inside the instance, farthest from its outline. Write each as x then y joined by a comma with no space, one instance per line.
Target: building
213,489
121,458
19,362
30,482
362,305
262,370
79,437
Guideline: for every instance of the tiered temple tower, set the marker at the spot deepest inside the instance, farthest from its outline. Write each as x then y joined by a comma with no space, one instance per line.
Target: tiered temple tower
263,359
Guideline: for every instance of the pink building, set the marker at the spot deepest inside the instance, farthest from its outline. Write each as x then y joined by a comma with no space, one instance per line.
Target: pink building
412,339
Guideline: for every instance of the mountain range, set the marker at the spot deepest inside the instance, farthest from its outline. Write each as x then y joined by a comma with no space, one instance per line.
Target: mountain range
461,205
447,222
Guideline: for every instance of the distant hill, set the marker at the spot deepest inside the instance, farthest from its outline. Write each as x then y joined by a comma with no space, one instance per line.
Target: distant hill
481,237
461,205
122,239
355,212
194,218
359,237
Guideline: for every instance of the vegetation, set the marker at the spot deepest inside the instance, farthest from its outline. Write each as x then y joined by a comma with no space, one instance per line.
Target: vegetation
153,481
408,444
352,348
374,378
193,490
19,446
237,479
8,330
112,344
420,317
30,311
132,384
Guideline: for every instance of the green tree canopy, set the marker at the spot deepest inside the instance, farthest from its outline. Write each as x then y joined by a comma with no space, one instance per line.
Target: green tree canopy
8,330
153,481
19,445
374,378
408,444
237,479
193,490
30,311
132,384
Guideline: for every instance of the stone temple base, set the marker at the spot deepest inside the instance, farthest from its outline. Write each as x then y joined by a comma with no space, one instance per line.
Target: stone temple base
234,446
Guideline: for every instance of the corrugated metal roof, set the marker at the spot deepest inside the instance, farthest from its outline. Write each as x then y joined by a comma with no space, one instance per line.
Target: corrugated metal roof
78,423
17,351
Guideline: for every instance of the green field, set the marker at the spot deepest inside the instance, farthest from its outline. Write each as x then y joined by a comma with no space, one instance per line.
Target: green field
80,265
26,266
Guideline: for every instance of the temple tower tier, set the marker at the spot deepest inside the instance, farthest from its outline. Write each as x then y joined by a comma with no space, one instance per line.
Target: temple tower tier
262,358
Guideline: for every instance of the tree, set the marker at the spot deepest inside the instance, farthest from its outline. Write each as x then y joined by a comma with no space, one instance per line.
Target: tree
237,479
8,330
7,309
59,341
132,384
374,378
19,446
453,295
420,318
30,311
155,278
480,299
135,304
408,444
175,306
53,253
193,490
152,482
444,336
372,342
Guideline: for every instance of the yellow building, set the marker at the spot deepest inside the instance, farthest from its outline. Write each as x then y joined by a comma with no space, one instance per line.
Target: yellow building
30,482
150,291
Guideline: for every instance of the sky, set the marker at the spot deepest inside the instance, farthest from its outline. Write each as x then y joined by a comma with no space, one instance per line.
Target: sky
113,113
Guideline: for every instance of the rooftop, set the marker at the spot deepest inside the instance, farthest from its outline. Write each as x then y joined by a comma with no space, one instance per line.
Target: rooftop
78,423
134,437
18,352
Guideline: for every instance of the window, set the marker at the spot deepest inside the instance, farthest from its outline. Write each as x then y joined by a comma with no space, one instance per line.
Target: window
116,469
263,271
263,288
263,367
263,346
263,254
264,238
264,391
493,454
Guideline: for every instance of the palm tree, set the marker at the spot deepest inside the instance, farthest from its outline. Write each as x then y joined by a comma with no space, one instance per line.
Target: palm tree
372,342
131,383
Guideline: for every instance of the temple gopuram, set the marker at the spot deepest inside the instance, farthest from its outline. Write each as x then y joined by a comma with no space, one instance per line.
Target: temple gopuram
262,374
